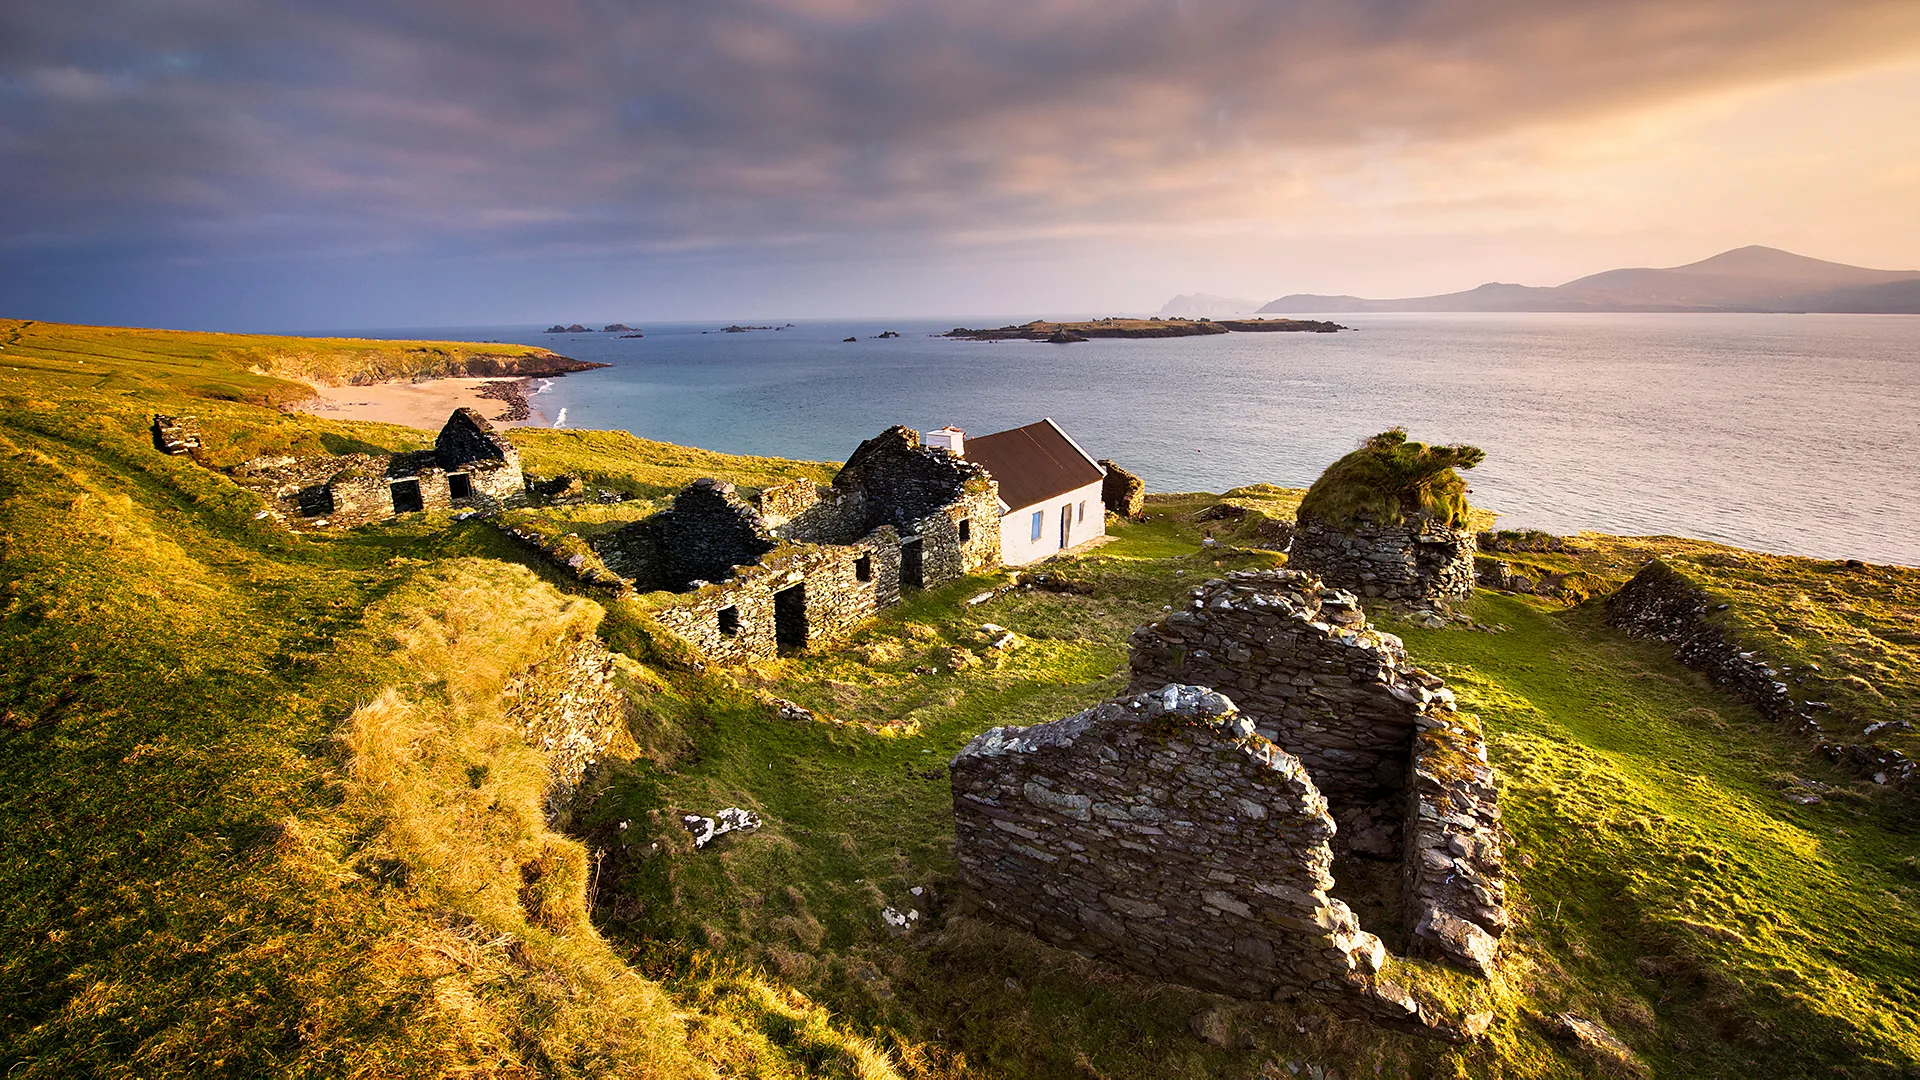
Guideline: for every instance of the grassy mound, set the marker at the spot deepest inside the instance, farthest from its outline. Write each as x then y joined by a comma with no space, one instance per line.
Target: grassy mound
1390,481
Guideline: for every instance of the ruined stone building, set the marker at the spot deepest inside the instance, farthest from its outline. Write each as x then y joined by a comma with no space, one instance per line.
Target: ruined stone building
801,562
471,466
1419,560
1190,829
1389,520
1048,486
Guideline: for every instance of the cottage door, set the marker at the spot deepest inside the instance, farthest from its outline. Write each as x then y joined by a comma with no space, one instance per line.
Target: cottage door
1066,526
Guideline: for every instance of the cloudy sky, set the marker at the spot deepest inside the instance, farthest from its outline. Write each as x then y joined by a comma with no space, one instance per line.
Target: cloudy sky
313,164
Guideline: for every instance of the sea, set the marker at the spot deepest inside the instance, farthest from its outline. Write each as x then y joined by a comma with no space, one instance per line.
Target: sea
1797,434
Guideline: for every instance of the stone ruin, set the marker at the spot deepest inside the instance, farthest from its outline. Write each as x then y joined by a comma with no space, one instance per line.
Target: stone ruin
1190,830
471,466
176,434
801,562
1415,561
1123,493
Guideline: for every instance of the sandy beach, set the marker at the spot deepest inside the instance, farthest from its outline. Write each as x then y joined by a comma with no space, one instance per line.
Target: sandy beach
424,404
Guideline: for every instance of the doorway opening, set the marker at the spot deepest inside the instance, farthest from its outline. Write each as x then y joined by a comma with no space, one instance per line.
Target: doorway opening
790,616
1066,525
911,575
406,496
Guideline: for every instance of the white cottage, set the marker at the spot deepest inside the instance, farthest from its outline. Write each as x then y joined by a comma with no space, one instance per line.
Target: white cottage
1049,487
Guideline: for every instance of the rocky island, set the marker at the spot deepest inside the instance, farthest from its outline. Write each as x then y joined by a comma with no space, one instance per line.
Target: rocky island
1061,333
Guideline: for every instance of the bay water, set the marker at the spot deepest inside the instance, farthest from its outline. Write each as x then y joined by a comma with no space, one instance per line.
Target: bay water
1797,434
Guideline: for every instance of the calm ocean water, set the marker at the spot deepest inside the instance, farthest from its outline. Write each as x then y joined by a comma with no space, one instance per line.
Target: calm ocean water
1787,433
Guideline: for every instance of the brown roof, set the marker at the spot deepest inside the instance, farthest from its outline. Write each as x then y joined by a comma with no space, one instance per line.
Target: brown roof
1033,463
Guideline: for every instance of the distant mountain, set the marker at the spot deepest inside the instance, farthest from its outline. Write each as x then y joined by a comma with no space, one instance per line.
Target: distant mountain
1744,279
1207,306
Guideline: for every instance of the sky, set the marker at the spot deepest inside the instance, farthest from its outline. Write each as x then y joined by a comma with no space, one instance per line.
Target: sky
299,166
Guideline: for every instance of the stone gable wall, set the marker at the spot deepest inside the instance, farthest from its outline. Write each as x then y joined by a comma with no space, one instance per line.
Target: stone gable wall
1381,742
904,482
1301,662
706,533
1122,492
1394,562
1162,832
467,438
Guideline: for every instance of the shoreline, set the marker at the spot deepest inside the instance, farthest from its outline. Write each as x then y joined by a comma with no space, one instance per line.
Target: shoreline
505,402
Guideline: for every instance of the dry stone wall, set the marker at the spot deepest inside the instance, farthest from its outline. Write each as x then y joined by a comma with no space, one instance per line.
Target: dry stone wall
569,707
1161,831
1405,774
1415,561
1122,492
1300,660
798,596
1663,603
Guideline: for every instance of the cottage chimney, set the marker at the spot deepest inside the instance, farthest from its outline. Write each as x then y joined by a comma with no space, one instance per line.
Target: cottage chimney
950,439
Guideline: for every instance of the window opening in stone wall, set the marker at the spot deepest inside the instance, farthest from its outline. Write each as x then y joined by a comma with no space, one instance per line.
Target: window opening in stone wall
406,496
966,530
459,486
863,568
910,574
1036,523
729,620
790,616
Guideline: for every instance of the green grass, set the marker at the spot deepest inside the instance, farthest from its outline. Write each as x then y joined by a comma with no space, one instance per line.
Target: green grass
1858,625
250,834
235,367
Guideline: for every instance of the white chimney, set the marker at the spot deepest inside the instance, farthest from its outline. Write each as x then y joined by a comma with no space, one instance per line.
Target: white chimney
949,438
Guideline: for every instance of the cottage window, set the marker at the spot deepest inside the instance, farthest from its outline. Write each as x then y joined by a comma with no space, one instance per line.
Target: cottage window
1037,515
459,486
1083,511
966,530
729,620
863,568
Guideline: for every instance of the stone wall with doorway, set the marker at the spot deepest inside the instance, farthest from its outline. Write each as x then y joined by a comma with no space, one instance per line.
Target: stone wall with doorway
833,587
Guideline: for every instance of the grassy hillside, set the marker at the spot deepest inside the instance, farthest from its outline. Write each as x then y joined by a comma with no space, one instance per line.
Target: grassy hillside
266,816
255,368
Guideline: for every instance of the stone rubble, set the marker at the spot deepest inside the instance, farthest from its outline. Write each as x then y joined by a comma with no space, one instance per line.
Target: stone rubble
706,829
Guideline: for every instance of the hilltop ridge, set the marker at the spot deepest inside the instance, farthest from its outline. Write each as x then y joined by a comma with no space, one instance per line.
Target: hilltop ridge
1753,279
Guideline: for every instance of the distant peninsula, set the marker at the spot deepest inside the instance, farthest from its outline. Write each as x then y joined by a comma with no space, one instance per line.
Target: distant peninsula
1061,333
1748,279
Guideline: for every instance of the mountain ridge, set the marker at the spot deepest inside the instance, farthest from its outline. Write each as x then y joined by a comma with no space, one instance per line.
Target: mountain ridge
1748,279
